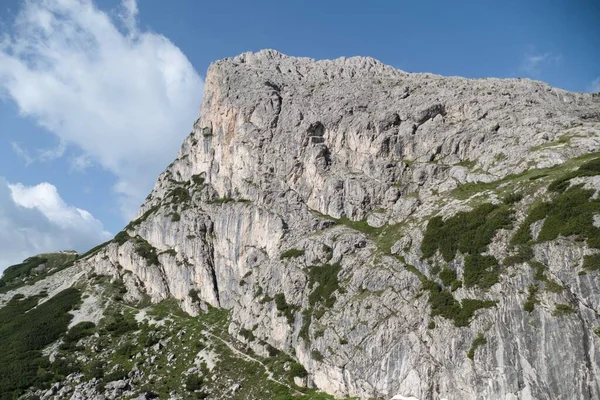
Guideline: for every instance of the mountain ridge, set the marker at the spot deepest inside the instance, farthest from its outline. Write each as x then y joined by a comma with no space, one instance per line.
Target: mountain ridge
362,220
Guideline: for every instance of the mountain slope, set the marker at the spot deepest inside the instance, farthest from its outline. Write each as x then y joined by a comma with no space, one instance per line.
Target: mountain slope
396,234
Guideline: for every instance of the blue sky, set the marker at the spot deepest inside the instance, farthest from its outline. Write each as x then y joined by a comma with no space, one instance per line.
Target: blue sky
96,97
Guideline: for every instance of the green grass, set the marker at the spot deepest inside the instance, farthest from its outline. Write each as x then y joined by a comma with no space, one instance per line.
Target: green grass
565,139
468,232
528,177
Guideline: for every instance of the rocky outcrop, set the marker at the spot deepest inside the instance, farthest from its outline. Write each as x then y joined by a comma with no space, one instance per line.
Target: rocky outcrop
300,200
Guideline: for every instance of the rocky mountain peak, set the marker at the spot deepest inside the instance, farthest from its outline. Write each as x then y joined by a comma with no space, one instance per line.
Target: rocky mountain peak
394,234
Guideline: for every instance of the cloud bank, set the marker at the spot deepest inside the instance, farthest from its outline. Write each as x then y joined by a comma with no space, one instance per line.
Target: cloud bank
35,219
124,98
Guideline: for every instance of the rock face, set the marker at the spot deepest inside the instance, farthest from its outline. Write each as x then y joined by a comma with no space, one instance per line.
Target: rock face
300,201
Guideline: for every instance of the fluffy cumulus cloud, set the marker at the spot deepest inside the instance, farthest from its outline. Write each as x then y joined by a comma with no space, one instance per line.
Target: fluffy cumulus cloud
35,219
124,98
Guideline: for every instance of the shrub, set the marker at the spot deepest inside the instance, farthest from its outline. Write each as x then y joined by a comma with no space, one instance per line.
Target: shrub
467,232
512,198
79,331
297,370
24,332
480,270
589,168
523,235
480,340
323,280
531,299
121,238
146,251
179,195
247,334
198,179
119,324
291,253
562,309
448,276
591,262
284,308
316,355
194,382
442,303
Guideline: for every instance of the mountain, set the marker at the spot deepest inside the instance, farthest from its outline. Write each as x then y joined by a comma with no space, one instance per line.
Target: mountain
341,228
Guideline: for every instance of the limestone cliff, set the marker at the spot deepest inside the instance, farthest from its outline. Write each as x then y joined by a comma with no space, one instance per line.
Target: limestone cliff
303,200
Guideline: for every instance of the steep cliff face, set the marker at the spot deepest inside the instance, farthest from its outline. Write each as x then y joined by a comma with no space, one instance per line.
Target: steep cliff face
364,220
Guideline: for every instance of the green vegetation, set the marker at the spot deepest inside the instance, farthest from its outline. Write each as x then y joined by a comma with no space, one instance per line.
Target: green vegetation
222,200
565,139
442,303
121,238
25,329
175,217
511,182
531,299
198,179
384,237
79,331
142,218
467,232
589,168
323,282
179,195
450,279
146,250
512,198
571,213
284,308
94,250
482,271
316,355
470,164
35,268
562,310
480,340
291,253
591,262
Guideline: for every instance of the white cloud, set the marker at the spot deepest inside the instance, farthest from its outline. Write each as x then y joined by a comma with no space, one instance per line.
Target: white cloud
124,98
35,219
595,85
24,154
533,63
